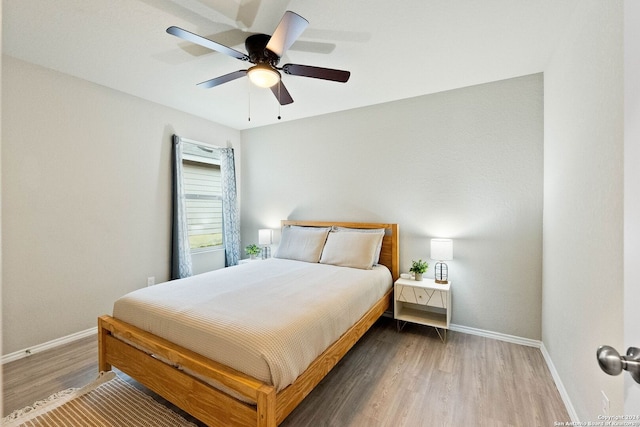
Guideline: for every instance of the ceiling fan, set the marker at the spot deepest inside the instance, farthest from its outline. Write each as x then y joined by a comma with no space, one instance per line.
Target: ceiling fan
265,52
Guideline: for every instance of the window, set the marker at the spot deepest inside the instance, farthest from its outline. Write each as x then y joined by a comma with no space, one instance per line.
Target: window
202,186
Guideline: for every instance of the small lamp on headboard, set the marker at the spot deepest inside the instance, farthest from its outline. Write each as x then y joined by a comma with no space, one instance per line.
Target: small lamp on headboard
441,250
265,238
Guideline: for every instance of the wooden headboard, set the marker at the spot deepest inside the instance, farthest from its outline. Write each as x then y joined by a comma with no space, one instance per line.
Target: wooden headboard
389,255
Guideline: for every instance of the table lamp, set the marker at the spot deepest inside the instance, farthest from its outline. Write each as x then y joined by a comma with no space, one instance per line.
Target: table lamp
441,250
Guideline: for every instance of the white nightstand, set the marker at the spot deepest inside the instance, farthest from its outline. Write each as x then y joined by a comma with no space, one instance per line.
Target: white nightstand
424,302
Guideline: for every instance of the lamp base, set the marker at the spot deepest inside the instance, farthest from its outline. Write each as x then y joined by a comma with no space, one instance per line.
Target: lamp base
266,252
442,273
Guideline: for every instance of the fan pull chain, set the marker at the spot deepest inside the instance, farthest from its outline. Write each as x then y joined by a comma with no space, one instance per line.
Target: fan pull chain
249,93
279,104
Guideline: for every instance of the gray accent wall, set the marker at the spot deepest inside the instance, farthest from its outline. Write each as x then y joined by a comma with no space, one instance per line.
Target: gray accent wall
465,164
86,204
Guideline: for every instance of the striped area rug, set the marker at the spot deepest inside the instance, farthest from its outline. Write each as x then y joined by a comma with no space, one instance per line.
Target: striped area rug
108,401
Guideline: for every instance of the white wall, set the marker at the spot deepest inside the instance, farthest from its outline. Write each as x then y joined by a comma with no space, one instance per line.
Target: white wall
631,193
465,164
201,262
1,380
583,204
85,198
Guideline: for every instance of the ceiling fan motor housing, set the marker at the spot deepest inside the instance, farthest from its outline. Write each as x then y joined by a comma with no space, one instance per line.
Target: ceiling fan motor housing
265,52
256,45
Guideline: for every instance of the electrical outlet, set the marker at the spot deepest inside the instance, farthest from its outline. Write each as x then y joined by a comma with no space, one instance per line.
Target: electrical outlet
151,281
605,403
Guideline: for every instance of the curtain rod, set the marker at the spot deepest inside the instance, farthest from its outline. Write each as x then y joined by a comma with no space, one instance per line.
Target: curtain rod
191,141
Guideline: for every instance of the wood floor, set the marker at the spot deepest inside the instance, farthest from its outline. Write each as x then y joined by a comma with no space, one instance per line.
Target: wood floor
394,379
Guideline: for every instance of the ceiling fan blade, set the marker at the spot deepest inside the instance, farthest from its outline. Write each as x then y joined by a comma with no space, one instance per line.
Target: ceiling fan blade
222,79
317,72
287,32
282,94
194,38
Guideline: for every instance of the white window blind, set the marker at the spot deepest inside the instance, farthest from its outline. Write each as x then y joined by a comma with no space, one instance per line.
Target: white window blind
202,186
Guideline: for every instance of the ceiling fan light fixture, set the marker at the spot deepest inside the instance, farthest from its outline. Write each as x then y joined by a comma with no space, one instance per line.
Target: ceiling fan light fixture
263,75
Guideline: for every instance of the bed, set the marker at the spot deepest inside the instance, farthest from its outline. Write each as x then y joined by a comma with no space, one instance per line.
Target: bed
219,393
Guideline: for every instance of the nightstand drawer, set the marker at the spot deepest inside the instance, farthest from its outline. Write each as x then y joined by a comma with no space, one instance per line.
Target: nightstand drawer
421,296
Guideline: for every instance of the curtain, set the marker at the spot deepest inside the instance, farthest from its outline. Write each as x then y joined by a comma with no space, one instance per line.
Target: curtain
180,250
230,214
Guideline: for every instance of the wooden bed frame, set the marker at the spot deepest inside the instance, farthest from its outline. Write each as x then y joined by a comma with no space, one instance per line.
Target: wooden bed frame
209,404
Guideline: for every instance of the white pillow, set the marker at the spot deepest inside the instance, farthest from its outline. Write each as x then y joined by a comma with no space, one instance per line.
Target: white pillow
351,249
366,230
302,243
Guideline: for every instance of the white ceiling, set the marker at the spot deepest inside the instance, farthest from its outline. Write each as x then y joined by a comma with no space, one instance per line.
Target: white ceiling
394,50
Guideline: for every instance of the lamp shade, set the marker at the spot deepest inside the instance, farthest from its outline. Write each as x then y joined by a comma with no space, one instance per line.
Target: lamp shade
263,76
442,249
265,236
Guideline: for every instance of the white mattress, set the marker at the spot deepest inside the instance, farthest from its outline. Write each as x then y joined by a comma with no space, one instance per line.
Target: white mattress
269,319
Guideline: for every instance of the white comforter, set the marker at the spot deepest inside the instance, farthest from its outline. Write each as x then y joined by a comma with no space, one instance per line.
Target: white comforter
269,319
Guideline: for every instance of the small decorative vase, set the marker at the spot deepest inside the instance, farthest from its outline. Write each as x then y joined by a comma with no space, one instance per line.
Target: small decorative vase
252,256
418,276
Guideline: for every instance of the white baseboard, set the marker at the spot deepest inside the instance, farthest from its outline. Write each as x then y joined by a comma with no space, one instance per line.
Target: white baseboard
530,343
496,336
20,354
563,392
